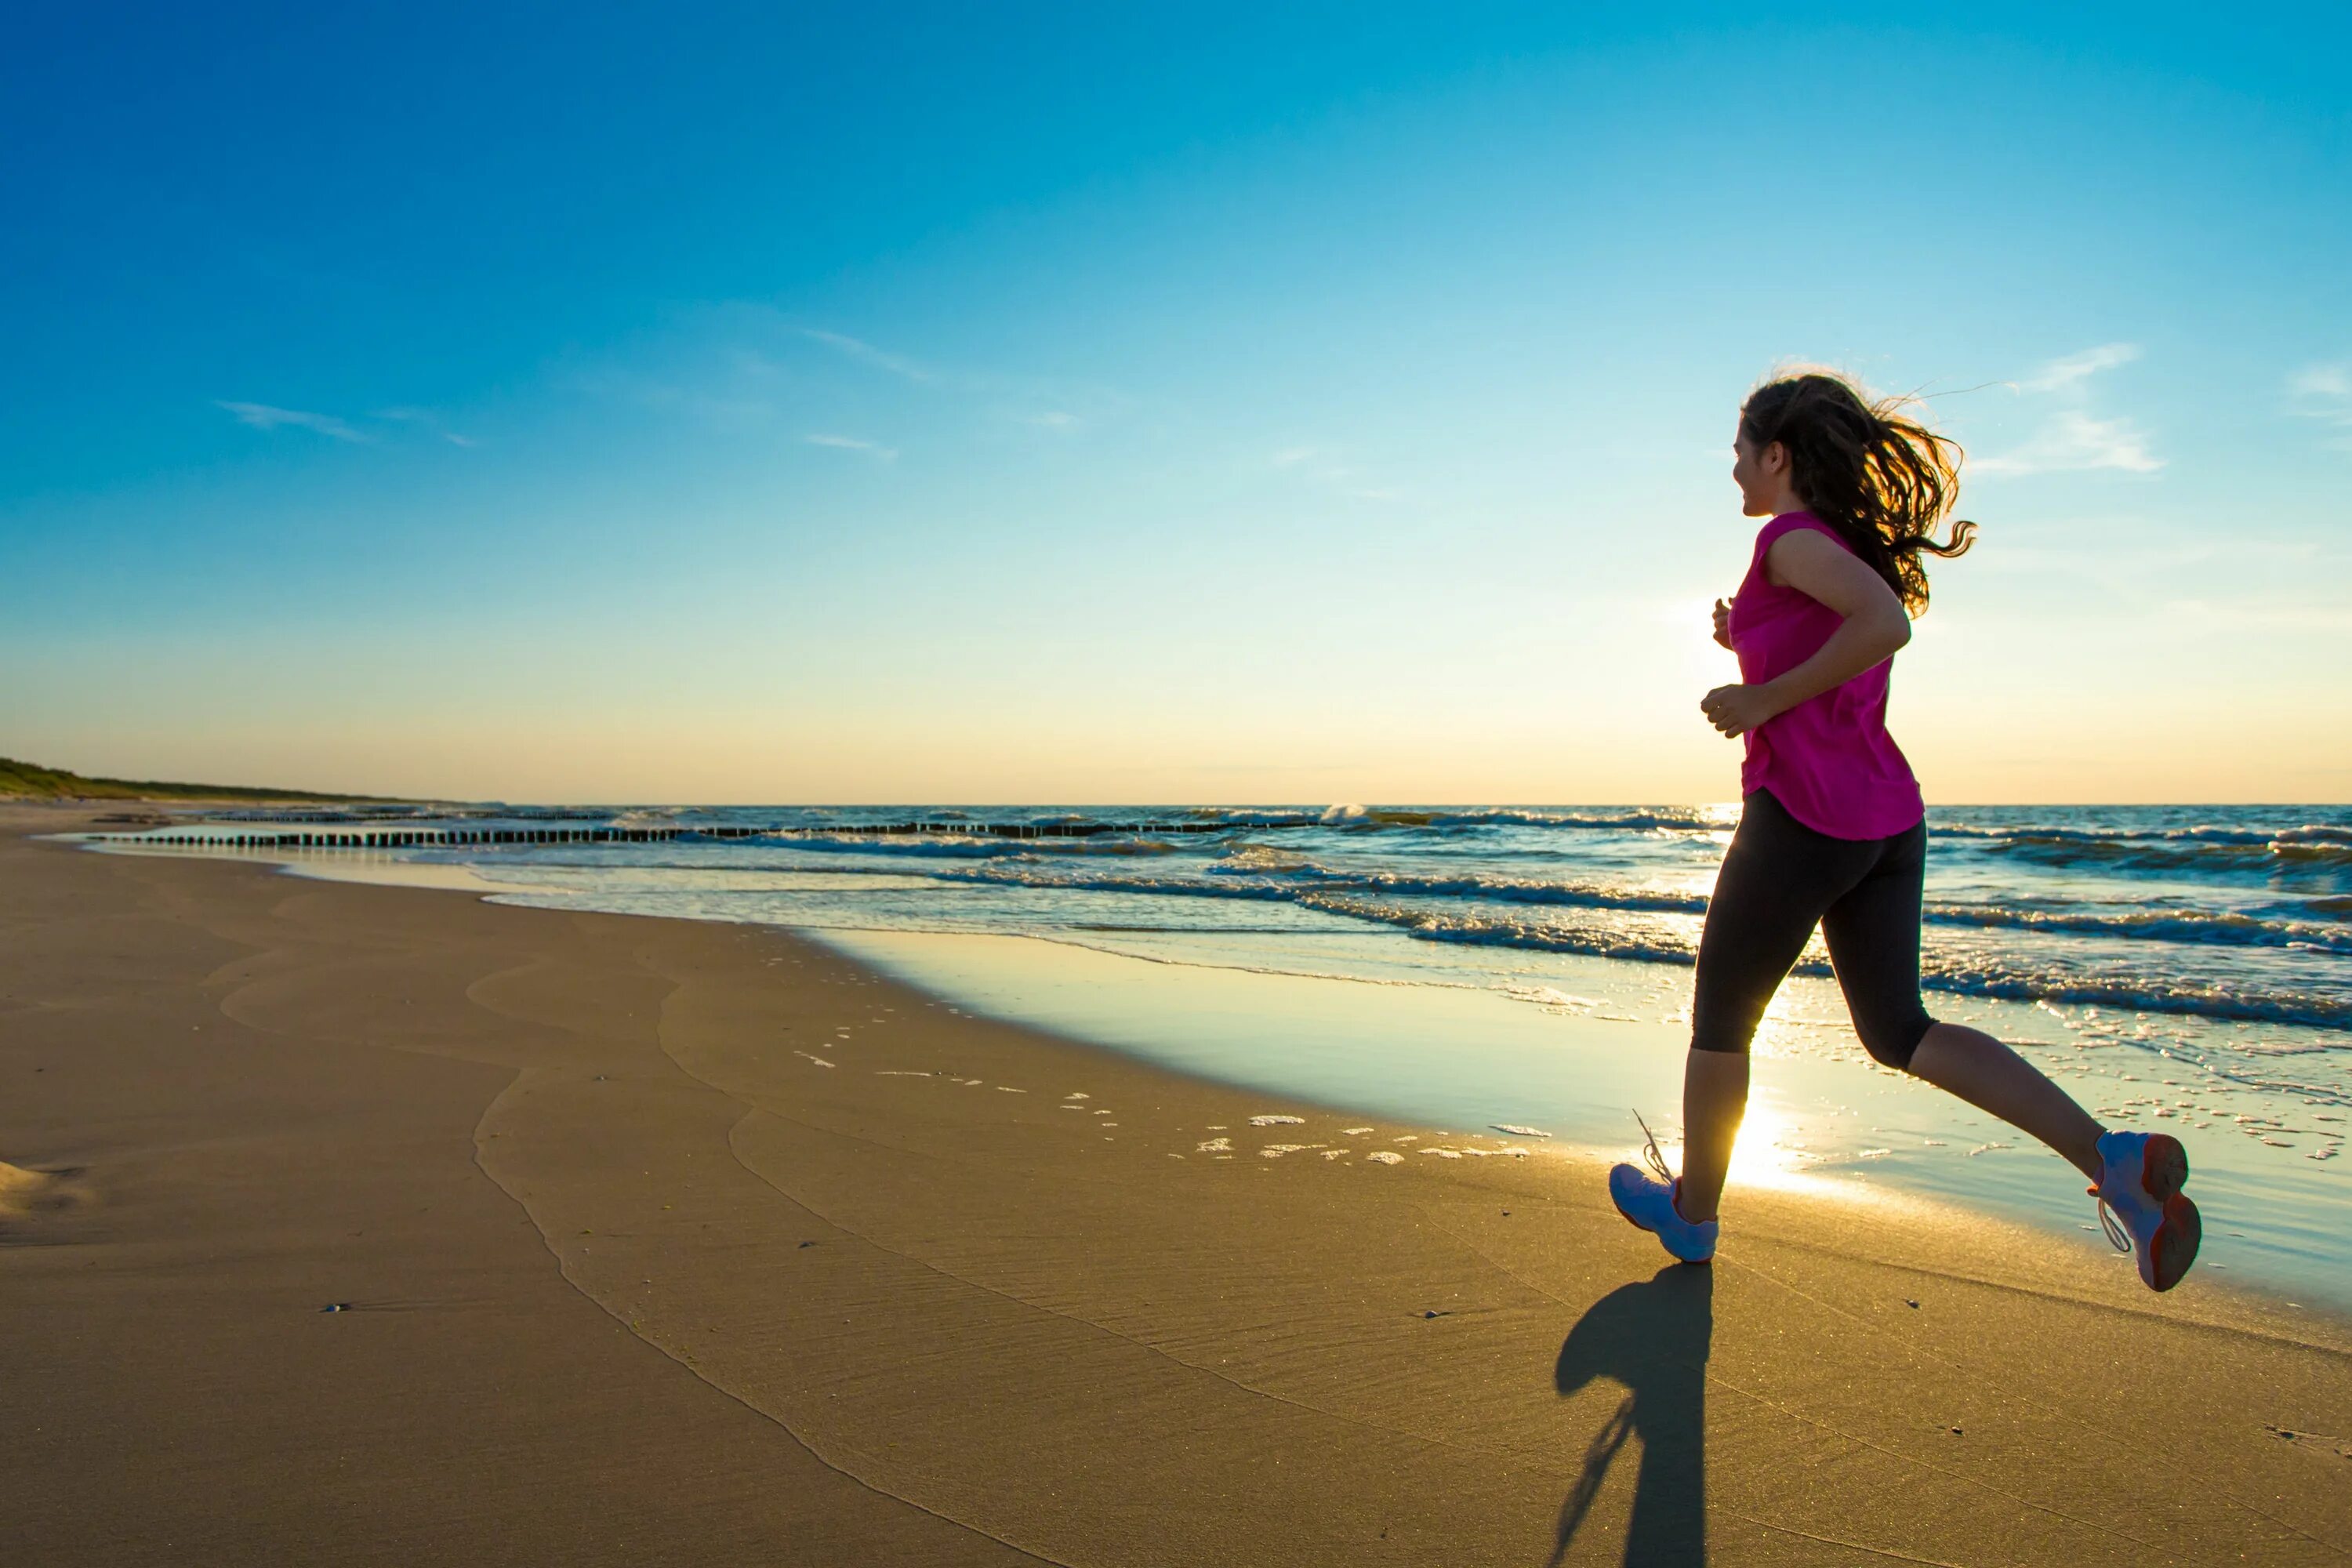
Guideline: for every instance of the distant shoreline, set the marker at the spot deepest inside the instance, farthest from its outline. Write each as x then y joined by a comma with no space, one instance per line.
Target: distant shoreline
31,780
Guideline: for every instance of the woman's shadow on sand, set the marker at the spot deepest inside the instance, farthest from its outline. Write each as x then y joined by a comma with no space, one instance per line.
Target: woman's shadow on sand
1653,1338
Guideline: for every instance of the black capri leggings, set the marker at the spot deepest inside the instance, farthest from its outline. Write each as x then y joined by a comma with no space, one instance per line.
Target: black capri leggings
1780,879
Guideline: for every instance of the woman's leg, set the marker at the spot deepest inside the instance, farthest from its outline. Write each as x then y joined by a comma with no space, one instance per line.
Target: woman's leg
1872,934
1714,1098
1776,879
1992,1077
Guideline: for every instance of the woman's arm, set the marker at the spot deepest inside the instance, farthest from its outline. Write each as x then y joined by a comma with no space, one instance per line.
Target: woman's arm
1875,628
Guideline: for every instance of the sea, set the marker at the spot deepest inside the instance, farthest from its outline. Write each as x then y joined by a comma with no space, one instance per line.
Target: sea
1524,971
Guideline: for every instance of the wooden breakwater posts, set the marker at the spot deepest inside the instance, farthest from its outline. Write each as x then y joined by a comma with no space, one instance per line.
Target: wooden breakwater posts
215,837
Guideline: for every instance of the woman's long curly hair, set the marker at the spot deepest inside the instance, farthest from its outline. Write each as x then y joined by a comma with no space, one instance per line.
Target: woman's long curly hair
1882,480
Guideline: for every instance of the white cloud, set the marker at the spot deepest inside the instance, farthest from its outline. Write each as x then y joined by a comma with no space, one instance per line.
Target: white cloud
1052,419
429,420
1322,466
851,444
262,417
2072,440
858,349
2062,375
2326,381
2324,393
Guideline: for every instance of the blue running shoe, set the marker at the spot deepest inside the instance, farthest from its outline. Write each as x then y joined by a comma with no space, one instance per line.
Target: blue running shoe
1651,1200
2142,1207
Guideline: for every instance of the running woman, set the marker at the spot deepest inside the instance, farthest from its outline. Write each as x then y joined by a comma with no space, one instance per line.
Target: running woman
1834,834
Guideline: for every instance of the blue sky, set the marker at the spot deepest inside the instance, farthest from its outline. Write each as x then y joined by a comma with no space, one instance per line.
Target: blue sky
1047,405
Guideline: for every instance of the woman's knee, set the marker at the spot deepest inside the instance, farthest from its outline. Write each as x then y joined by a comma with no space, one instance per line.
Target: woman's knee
1892,1041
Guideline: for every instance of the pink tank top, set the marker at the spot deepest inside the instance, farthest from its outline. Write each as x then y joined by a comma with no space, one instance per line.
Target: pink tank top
1829,760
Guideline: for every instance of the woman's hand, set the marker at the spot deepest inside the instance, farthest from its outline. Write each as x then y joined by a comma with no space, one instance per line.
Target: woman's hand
1723,622
1735,710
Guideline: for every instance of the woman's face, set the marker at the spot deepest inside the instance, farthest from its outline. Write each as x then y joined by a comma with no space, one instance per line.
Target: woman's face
1762,476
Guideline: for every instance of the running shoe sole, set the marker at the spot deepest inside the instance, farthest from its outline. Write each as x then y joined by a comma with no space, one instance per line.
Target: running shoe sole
2163,1171
2163,1165
2173,1248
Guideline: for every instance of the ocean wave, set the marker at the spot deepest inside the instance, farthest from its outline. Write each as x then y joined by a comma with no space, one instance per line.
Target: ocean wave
2050,833
1443,925
2215,1000
1995,981
1631,819
1255,871
962,847
1473,885
649,816
1271,878
2309,833
1049,880
2138,854
1355,816
2217,927
2328,852
1249,871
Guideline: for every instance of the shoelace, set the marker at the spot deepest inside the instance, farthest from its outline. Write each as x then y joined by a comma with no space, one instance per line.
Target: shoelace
1651,1154
2118,1237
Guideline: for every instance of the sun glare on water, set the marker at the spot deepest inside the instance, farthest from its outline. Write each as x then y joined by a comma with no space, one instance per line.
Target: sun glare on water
1770,1152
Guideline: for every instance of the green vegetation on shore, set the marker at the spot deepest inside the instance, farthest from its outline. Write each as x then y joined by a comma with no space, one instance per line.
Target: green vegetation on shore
30,780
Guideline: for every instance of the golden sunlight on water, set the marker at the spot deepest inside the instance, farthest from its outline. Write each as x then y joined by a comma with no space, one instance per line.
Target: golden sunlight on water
1768,1154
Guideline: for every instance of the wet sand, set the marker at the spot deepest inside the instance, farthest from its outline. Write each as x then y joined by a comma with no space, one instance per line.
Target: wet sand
674,1243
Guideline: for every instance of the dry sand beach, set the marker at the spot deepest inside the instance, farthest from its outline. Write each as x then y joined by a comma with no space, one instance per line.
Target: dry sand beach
666,1242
